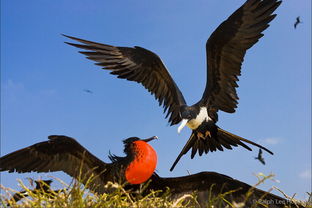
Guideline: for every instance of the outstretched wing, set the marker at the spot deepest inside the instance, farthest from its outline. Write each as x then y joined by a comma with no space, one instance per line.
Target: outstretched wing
226,49
139,65
59,153
207,185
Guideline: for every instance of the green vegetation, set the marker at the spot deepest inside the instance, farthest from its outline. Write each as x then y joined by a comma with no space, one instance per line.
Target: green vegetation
76,195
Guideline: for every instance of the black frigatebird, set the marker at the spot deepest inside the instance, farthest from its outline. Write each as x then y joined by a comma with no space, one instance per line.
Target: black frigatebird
42,187
62,153
88,91
207,185
297,22
260,157
225,50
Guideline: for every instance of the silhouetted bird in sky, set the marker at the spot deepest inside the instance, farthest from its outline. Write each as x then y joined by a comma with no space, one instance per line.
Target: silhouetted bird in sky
62,153
88,91
225,49
297,22
260,158
42,187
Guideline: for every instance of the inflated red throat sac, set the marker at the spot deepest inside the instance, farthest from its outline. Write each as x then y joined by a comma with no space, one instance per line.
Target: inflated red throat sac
143,165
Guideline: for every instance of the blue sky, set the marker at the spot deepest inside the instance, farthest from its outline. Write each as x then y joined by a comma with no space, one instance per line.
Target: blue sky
42,83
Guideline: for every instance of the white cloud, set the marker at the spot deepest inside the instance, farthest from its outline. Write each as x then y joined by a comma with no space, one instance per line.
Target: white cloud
12,91
12,85
306,174
15,91
272,140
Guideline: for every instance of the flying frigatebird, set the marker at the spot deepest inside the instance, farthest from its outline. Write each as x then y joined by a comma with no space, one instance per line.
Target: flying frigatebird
259,157
62,153
88,91
297,22
225,50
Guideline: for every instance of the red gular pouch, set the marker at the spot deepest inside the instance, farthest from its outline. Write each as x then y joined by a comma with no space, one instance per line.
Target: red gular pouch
143,165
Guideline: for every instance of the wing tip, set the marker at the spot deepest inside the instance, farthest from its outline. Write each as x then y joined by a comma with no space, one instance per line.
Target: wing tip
60,137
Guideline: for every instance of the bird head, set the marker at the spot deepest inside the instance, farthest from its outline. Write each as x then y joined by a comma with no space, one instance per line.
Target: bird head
132,141
187,113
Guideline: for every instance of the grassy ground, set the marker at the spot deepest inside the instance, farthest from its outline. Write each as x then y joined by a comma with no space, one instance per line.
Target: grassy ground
75,195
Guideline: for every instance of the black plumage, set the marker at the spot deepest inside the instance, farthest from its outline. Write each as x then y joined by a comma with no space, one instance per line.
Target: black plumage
88,91
225,49
260,157
62,153
42,187
298,21
206,185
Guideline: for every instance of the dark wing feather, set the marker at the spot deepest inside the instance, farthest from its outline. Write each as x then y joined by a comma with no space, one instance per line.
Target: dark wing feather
205,185
139,65
18,196
59,153
226,49
216,142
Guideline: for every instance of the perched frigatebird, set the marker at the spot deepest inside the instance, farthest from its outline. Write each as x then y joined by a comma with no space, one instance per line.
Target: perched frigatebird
225,49
62,153
208,185
42,187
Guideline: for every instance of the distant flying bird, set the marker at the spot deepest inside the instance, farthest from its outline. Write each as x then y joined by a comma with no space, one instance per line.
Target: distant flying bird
260,158
88,91
225,48
297,22
62,153
42,187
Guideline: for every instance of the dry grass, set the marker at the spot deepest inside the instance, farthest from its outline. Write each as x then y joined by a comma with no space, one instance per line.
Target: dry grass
78,196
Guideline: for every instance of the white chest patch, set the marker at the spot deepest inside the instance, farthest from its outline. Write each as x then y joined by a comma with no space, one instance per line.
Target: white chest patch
202,116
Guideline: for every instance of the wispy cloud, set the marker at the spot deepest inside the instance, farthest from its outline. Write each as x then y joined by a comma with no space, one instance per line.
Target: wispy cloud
306,174
12,85
271,140
11,90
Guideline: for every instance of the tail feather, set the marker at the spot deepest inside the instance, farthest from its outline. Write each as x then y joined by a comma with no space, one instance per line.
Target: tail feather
185,149
244,140
213,143
226,145
201,148
231,139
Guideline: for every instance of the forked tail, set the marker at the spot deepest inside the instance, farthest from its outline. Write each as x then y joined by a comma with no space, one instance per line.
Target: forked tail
206,141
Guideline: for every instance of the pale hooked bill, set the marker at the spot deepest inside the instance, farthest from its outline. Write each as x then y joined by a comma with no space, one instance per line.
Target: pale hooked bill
183,123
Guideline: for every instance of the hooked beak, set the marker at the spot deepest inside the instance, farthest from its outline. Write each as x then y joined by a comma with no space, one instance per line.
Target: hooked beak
183,123
150,139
